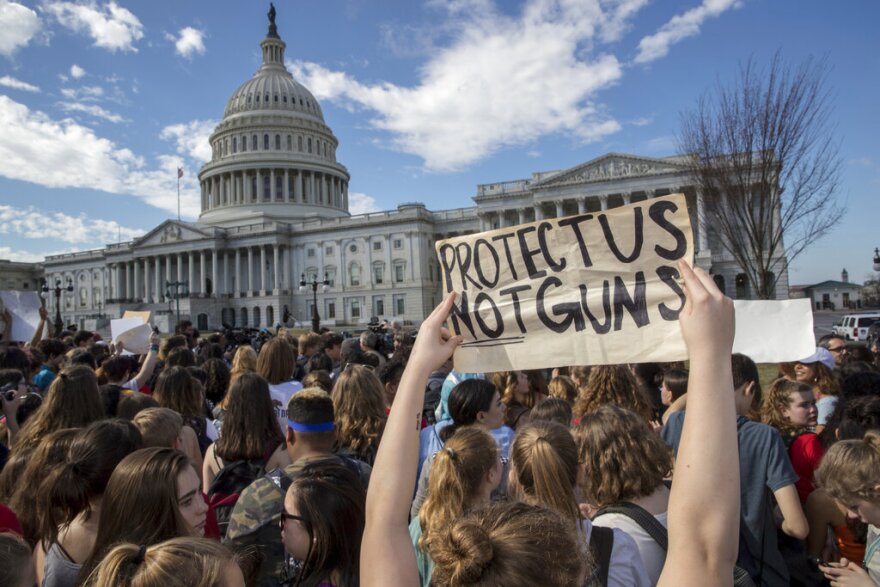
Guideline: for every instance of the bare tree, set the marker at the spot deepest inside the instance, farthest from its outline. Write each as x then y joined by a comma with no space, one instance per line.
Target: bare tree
762,153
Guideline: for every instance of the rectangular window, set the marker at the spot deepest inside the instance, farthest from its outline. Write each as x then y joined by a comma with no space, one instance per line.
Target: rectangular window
355,309
331,310
398,243
331,277
398,273
310,253
328,251
377,245
378,274
400,306
380,307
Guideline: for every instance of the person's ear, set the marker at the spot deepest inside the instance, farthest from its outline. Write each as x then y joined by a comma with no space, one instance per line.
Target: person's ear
481,417
749,389
178,443
291,437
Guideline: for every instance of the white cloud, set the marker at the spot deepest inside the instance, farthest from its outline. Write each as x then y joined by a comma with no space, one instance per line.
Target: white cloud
643,121
63,154
17,84
18,25
21,256
191,138
76,71
679,27
91,109
32,223
110,26
189,42
501,81
85,93
359,203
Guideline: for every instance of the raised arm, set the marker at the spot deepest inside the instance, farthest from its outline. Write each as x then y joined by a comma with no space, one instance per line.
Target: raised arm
149,363
38,335
387,556
704,503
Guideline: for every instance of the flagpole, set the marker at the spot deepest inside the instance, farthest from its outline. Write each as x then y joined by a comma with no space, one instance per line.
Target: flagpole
178,197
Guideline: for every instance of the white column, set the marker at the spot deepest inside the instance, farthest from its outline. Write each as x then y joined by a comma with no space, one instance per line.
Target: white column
627,199
412,256
582,205
203,274
286,185
227,278
215,273
522,216
297,187
272,194
168,262
250,270
702,237
146,283
559,212
260,194
129,282
238,288
603,202
179,267
193,286
539,213
275,272
285,263
158,279
263,269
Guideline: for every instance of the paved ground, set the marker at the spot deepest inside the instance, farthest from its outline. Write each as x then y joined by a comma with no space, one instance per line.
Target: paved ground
824,320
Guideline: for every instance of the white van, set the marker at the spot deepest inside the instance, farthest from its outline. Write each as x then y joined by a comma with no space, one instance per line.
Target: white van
855,326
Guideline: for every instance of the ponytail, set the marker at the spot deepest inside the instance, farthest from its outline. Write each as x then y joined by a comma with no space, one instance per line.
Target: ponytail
545,459
456,476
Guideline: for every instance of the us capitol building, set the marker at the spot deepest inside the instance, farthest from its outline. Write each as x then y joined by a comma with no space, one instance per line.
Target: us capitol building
274,208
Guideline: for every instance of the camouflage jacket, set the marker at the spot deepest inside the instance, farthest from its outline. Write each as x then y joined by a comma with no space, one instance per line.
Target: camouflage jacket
256,517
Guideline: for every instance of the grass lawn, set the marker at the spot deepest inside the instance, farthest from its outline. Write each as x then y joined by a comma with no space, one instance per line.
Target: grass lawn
768,373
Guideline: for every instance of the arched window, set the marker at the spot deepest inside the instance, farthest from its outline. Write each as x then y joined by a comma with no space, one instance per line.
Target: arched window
279,187
310,145
277,142
243,144
719,281
354,274
742,286
299,144
266,142
244,317
257,321
270,316
267,186
234,144
254,143
289,143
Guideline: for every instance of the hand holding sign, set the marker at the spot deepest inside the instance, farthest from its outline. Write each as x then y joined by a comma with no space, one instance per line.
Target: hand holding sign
434,344
707,320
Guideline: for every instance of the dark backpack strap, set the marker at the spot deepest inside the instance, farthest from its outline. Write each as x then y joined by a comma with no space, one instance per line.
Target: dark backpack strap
643,518
601,545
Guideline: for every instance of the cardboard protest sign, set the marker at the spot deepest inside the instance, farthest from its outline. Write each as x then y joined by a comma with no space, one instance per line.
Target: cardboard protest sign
592,289
145,316
24,306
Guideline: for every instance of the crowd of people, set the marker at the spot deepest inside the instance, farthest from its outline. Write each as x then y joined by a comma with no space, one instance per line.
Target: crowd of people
321,460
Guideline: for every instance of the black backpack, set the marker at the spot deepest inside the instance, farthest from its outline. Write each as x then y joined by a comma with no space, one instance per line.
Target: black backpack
227,486
601,545
660,535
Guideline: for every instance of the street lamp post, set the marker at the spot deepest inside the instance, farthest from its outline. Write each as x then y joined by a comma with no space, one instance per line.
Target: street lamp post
876,259
181,290
59,323
314,283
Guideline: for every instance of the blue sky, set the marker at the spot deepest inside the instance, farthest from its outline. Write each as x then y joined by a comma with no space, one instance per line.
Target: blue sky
101,102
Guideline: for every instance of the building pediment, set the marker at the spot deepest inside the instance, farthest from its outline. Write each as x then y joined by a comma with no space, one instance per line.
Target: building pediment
173,231
612,166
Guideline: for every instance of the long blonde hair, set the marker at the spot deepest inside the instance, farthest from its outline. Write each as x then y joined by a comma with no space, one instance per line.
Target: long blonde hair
544,460
359,408
195,562
457,474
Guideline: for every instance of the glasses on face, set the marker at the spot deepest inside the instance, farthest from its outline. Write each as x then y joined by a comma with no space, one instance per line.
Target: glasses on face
838,349
286,516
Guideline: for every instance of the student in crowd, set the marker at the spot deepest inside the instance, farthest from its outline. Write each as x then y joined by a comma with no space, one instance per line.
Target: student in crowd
178,562
521,391
817,371
154,494
463,476
322,524
612,384
836,345
544,471
359,405
764,465
563,387
26,470
255,520
790,407
624,463
276,363
389,375
244,359
72,401
703,503
69,499
850,473
52,350
217,382
553,409
178,390
675,383
473,402
320,379
250,431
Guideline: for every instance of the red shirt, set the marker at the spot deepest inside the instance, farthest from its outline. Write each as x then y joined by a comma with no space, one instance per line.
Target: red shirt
805,453
9,521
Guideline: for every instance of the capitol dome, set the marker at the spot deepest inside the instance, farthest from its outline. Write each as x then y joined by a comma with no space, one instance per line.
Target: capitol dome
273,156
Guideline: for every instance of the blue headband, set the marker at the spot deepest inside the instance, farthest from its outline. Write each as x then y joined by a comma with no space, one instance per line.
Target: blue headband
300,427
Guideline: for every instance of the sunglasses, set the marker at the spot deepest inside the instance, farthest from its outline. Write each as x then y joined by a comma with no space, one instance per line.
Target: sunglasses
839,349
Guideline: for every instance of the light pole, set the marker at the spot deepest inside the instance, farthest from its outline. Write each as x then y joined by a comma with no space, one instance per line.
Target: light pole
876,259
316,320
59,323
181,290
